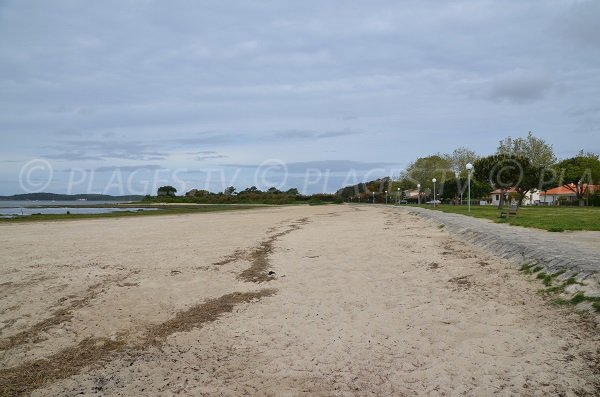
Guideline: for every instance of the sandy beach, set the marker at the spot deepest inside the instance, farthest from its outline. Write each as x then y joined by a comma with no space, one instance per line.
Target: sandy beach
360,300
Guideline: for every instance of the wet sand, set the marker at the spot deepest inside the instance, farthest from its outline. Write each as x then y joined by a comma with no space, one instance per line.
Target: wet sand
361,300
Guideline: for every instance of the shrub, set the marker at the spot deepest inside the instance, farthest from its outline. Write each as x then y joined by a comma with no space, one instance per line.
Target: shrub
316,201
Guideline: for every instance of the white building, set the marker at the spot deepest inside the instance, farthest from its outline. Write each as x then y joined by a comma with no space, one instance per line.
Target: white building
531,198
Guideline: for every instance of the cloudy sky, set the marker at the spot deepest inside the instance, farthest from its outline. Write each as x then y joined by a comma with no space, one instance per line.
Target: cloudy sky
115,95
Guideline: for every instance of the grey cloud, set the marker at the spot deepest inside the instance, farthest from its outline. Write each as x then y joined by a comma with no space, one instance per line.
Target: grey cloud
210,157
298,134
583,111
207,139
86,111
520,86
580,22
159,149
202,155
67,132
119,168
295,79
332,134
307,134
204,152
338,166
226,138
60,109
325,165
105,150
72,155
130,168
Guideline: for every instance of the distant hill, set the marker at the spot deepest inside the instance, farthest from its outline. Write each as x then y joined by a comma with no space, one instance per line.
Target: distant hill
69,197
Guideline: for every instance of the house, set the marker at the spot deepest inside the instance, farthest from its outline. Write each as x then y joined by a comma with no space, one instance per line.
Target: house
411,195
496,194
531,198
562,193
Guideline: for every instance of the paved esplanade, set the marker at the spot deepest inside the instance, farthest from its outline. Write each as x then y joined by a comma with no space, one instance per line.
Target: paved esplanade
553,251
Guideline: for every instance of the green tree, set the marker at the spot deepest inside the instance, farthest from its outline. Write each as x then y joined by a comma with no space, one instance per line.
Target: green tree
459,159
251,189
577,173
453,188
424,169
539,153
199,193
503,171
364,191
540,156
229,191
166,191
396,188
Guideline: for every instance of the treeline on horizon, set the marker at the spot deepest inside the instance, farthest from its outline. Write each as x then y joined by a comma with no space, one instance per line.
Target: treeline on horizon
251,195
521,164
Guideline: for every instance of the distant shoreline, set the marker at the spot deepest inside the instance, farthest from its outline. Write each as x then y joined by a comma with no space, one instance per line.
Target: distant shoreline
151,210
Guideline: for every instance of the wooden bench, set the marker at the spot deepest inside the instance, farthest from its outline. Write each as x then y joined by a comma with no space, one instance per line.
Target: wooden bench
512,210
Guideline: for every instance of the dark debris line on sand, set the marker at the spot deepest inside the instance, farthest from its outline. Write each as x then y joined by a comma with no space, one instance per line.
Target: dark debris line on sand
32,334
259,256
70,361
27,377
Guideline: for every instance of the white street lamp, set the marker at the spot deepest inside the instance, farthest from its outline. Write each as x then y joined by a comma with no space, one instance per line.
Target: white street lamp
398,196
469,171
434,181
373,197
386,197
419,193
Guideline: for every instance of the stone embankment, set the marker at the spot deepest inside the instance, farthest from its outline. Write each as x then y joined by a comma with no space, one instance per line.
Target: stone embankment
577,254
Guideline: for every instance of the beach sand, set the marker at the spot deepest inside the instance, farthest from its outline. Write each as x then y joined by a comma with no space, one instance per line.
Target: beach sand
362,301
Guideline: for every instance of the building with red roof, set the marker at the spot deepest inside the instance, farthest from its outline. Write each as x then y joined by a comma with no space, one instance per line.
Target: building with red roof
565,192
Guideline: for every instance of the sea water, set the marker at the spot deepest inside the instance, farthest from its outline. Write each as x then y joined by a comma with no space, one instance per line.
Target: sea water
9,209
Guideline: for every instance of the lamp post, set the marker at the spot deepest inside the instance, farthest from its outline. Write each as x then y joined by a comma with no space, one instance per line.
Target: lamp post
386,197
434,181
419,193
398,196
373,197
469,171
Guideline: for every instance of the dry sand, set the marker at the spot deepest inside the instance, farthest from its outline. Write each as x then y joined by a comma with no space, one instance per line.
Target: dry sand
363,301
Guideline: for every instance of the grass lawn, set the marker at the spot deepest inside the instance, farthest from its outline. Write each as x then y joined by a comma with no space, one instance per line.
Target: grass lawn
164,210
554,219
